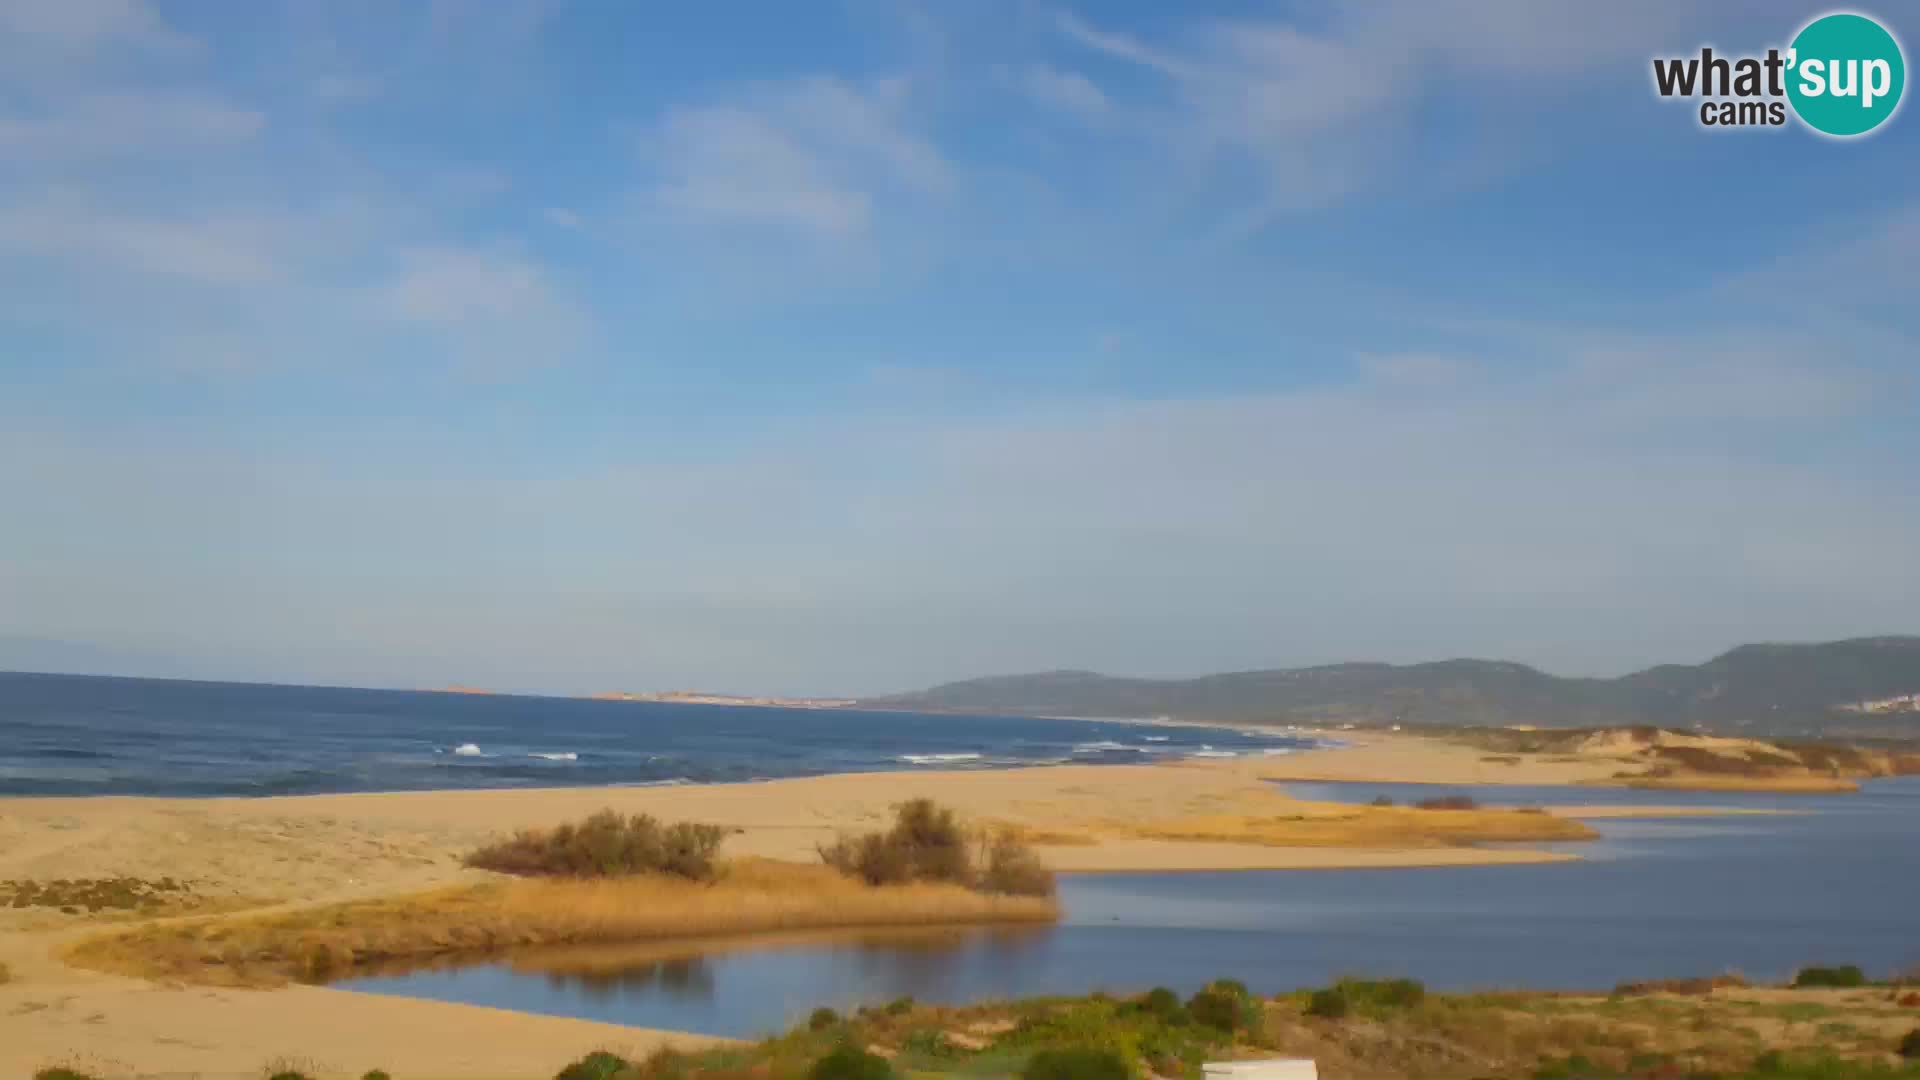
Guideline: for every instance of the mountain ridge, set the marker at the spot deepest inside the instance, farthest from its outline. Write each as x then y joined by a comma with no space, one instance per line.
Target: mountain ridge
1779,687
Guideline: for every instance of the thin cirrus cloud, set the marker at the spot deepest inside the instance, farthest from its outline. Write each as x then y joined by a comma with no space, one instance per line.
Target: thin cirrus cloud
818,155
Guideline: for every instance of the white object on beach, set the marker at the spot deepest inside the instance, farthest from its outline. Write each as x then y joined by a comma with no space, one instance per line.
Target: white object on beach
1264,1069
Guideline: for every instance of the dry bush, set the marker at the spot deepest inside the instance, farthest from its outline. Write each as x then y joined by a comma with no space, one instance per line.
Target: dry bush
1009,866
926,844
606,845
753,896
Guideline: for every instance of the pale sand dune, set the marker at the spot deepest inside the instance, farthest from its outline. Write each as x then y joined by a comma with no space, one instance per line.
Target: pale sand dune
123,1028
305,850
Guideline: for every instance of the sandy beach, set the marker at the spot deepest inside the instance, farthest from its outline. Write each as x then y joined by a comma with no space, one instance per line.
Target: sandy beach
280,853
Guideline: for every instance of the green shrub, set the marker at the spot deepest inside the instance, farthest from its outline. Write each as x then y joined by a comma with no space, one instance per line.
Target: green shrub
1773,1061
1224,1005
1077,1063
606,845
1846,975
849,1062
1329,1004
599,1065
1910,1045
60,1072
821,1019
288,1074
1165,1004
899,1006
375,1074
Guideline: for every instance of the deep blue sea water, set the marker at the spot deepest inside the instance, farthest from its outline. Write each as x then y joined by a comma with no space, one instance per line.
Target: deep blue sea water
82,735
1838,882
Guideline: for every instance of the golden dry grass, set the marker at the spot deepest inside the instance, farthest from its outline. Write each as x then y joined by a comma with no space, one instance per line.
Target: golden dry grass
1331,825
753,896
1041,837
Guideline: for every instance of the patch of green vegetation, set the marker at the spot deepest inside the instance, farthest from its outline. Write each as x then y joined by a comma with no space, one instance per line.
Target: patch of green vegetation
1225,1006
73,895
1365,997
1910,1045
60,1072
1077,1063
1846,975
850,1062
821,1019
599,1065
375,1074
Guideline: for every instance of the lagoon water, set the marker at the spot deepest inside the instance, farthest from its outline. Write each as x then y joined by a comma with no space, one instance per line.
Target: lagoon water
1836,882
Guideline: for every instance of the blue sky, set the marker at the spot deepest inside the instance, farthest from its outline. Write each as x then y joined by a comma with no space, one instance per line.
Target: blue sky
849,347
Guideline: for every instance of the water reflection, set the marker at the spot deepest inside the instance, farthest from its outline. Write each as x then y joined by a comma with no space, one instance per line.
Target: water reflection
688,977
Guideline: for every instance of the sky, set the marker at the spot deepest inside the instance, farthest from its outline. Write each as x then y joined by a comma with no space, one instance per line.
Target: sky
852,346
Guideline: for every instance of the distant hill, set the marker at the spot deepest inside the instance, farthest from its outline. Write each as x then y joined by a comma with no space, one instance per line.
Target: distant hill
1779,689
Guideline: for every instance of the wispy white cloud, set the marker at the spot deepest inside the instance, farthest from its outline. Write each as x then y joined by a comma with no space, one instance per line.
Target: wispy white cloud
1323,111
449,286
1067,91
75,29
218,251
815,155
125,123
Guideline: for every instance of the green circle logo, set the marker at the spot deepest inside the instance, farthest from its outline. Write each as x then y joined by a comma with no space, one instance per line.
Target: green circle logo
1845,74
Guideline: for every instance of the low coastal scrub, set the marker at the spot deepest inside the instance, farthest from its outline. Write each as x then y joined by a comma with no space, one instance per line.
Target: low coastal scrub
1365,997
746,897
926,844
1392,1029
1386,1029
607,844
1693,987
1846,975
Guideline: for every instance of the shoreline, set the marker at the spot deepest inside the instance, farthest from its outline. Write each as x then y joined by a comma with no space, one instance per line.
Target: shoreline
288,853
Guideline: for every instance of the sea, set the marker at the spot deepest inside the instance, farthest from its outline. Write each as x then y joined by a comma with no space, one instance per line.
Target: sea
86,735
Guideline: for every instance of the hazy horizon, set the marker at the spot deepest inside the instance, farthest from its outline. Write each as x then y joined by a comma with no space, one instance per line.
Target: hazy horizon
18,655
560,346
